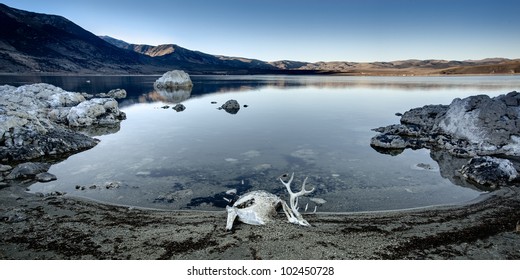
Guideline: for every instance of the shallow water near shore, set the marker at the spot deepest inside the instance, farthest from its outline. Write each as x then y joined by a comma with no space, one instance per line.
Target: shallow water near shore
315,126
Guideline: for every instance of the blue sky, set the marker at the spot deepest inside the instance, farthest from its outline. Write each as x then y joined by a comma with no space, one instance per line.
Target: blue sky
320,30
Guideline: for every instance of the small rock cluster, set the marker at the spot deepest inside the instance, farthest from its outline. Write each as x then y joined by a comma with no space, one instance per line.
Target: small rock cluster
480,128
107,186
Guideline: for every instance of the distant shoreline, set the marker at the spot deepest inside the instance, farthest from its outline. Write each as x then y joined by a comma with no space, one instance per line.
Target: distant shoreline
281,73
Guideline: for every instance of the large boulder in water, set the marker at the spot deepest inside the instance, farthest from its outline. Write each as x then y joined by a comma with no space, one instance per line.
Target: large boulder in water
479,127
490,125
173,80
476,125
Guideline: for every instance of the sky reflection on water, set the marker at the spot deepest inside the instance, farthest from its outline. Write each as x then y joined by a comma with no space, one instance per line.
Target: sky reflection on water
315,126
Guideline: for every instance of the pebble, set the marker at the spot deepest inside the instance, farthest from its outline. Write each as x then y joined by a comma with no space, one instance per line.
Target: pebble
231,191
318,201
112,185
424,166
262,167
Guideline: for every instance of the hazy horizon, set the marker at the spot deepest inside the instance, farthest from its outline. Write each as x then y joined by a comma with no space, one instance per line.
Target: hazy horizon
357,31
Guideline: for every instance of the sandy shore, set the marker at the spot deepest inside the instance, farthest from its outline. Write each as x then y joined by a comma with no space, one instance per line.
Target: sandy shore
58,227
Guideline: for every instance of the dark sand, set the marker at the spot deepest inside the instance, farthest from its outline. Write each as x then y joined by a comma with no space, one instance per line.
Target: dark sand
59,227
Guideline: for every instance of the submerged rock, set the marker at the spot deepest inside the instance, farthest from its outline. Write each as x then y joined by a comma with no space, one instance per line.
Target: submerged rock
173,80
174,196
306,156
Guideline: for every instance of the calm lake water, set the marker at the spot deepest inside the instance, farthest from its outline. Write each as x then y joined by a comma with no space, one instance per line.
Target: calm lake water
315,126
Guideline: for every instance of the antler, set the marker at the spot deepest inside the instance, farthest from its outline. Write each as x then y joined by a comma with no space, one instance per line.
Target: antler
293,200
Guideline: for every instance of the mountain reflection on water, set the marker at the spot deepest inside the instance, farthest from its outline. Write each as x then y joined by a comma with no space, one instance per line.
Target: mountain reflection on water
140,88
315,126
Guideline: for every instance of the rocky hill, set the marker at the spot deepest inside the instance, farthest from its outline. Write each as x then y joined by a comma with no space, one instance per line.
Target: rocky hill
32,42
171,54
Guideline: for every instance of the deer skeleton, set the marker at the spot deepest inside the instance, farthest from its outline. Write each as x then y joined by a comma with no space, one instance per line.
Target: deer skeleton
258,207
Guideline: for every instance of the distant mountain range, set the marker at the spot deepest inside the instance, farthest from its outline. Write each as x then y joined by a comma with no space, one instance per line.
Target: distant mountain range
32,42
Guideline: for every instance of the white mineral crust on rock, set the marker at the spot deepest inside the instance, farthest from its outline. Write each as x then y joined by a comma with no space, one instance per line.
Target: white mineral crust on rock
104,111
458,121
34,120
173,80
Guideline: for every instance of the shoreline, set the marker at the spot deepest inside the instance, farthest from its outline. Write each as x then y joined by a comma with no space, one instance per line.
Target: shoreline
58,227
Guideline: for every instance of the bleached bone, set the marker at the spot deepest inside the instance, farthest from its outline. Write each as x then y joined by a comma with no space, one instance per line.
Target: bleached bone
258,207
293,199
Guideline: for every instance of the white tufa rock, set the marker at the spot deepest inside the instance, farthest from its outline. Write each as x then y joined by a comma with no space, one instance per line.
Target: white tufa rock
173,80
258,207
462,123
513,148
103,111
507,167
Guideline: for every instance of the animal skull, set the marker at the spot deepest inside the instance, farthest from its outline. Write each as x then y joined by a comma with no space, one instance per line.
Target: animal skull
258,207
